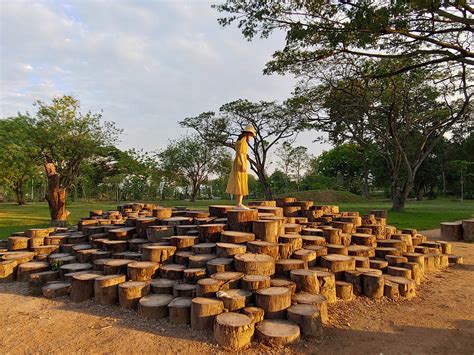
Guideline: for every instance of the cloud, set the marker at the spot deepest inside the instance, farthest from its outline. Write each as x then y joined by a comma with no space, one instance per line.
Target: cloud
147,64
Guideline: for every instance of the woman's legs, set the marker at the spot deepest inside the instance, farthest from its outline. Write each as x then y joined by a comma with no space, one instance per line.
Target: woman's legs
239,199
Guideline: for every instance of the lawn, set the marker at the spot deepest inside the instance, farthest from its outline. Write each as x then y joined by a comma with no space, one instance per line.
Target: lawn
420,215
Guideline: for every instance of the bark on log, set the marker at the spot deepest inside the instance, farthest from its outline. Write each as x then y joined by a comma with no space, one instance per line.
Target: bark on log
255,313
234,299
180,310
274,301
261,247
255,282
242,220
229,279
327,284
225,250
193,275
207,287
26,269
162,286
56,289
391,290
406,287
254,264
305,280
277,332
200,260
184,290
284,283
204,311
451,231
317,300
210,233
106,288
130,292
172,271
266,230
344,290
18,243
182,257
40,279
83,287
142,270
284,266
233,331
373,285
183,242
294,239
116,266
154,306
399,271
236,237
158,253
204,248
220,265
308,318
355,278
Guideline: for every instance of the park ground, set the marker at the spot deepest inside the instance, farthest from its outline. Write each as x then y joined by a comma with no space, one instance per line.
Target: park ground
439,320
421,215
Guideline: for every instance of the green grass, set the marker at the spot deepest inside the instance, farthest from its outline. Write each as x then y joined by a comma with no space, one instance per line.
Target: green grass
420,215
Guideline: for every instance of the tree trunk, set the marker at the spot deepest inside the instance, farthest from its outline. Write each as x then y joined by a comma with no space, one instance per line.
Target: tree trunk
262,179
194,191
18,189
56,196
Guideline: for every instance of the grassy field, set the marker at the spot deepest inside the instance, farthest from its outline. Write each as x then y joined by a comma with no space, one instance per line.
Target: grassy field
420,215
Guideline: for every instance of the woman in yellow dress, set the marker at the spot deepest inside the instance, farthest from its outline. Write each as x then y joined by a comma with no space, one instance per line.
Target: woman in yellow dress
238,178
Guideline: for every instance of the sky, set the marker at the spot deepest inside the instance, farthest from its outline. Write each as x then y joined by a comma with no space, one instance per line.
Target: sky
147,64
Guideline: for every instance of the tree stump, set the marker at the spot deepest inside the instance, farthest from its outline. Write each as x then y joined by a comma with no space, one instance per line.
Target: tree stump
193,275
19,256
234,299
40,279
154,306
285,250
183,242
220,211
283,267
242,220
204,248
162,286
207,287
373,285
305,280
236,237
158,253
26,269
83,287
261,247
399,271
396,260
332,235
266,230
255,282
115,246
184,290
308,256
18,243
172,271
277,332
116,266
361,261
254,264
363,239
392,243
142,270
210,233
355,278
37,232
220,265
284,283
327,284
344,290
361,250
233,330
255,313
157,233
229,279
338,264
446,247
416,271
56,289
180,310
204,311
317,300
182,257
451,231
337,249
382,252
307,317
106,288
455,259
200,260
406,287
391,290
378,264
225,250
130,292
274,301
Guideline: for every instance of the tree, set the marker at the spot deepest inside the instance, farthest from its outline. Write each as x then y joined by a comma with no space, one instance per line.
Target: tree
191,158
299,164
430,32
284,152
400,118
65,138
18,161
273,123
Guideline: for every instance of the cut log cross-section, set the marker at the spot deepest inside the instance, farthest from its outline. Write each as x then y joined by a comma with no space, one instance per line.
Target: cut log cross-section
307,317
233,331
83,287
180,310
255,313
130,292
255,264
306,281
277,332
204,311
236,237
274,301
262,247
242,220
154,306
141,270
158,253
106,288
283,267
235,299
207,287
266,230
316,300
255,282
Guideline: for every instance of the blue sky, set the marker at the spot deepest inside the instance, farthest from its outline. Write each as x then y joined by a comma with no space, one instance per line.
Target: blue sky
147,64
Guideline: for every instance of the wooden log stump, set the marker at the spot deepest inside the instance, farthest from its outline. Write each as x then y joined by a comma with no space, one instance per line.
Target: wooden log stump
446,247
283,267
182,257
392,243
308,318
261,247
316,300
327,284
338,264
8,269
83,287
234,299
337,249
255,282
73,267
130,292
200,260
255,313
142,270
361,250
183,242
361,261
382,252
344,290
396,260
274,301
154,306
184,290
210,233
40,279
399,271
56,289
180,310
266,230
242,220
236,237
406,286
172,271
26,269
455,259
373,285
291,285
295,239
355,278
285,250
193,275
277,332
332,235
19,256
204,311
451,231
229,279
116,266
416,271
207,287
226,250
158,253
162,286
37,232
254,264
305,280
156,234
204,248
220,211
220,265
391,290
312,239
106,288
115,246
18,243
378,264
162,213
233,331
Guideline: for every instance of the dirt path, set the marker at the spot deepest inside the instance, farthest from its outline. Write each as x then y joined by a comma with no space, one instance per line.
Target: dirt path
439,320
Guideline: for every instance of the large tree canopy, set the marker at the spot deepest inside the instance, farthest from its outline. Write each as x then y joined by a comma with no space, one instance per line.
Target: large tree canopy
429,32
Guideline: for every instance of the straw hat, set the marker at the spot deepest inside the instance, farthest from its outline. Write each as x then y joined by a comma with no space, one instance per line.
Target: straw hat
250,129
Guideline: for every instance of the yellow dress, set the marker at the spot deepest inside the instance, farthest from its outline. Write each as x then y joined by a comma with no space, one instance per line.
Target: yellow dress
238,178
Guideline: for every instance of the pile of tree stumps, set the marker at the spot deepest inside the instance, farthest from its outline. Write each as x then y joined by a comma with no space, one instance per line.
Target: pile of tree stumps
267,273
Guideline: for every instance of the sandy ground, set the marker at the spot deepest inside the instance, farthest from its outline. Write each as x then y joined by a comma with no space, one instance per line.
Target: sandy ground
439,320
